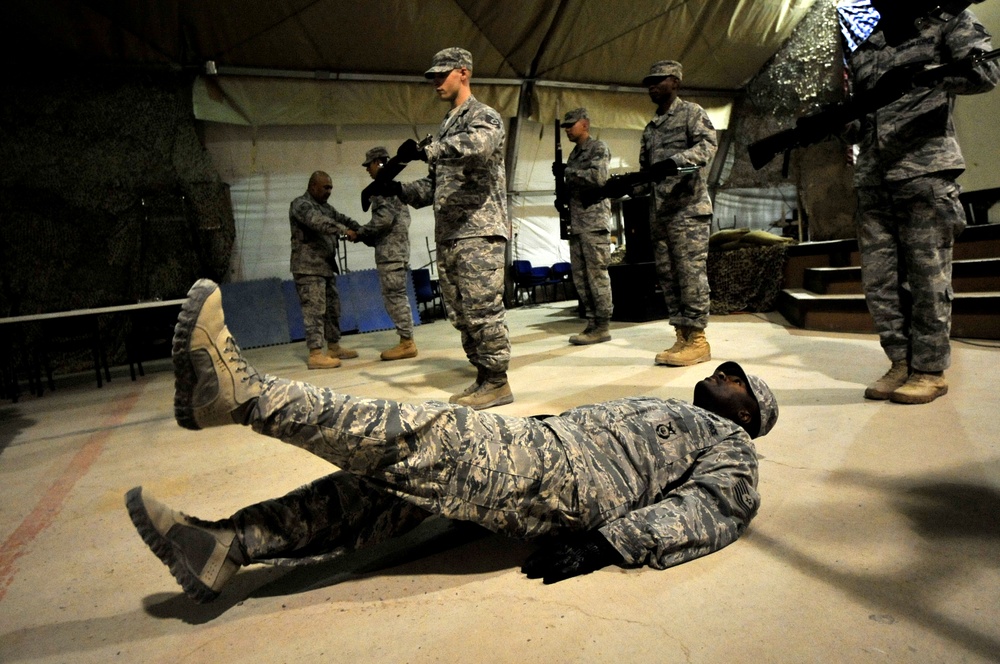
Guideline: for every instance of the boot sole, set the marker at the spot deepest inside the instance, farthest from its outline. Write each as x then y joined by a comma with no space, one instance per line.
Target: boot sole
164,550
399,357
913,400
688,363
185,376
502,401
579,342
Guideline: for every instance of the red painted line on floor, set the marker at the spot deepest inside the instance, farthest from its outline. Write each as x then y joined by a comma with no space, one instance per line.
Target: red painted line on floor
51,503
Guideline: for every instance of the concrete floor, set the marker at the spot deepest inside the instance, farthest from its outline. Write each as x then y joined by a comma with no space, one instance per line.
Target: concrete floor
878,539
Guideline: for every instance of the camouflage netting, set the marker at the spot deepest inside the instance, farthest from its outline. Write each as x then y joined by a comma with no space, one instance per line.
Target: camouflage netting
107,196
806,74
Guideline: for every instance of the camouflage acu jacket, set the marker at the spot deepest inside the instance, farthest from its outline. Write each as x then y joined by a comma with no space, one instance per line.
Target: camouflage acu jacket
664,480
466,183
685,135
915,135
388,231
315,229
587,168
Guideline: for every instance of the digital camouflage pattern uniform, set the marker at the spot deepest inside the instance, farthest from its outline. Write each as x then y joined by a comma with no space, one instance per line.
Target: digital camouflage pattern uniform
315,230
680,211
909,212
590,227
467,185
389,233
663,481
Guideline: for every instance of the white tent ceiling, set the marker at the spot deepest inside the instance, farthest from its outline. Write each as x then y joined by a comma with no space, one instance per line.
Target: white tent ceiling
347,45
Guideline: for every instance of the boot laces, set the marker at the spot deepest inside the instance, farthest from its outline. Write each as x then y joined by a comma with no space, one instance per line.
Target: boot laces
236,357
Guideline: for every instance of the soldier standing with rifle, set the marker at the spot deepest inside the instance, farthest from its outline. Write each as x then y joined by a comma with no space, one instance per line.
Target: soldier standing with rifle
389,233
466,184
908,201
590,226
680,221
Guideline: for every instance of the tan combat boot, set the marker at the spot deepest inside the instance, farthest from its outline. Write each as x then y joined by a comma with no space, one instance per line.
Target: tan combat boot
202,555
694,350
476,384
404,350
890,382
320,360
341,353
661,358
921,387
488,395
597,334
574,339
213,384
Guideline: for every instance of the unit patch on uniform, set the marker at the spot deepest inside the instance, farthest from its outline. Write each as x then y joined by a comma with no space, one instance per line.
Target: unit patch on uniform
665,430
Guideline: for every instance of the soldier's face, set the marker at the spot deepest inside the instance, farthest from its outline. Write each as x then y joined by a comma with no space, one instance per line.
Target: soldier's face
664,90
725,395
448,85
373,168
576,130
320,189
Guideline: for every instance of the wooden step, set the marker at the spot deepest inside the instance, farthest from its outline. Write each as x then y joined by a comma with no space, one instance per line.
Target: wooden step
979,241
967,276
974,315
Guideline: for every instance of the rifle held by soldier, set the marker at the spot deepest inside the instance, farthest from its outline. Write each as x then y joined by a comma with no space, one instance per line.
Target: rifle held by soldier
407,152
624,184
562,196
813,128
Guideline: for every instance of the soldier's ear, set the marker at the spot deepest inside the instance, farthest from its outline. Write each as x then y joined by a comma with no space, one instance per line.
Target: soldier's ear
744,416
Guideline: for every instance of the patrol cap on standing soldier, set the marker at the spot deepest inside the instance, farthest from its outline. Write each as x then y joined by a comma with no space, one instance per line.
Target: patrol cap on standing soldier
375,154
574,116
447,59
662,69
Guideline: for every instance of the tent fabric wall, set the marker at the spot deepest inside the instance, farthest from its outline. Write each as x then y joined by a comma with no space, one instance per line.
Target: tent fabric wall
262,101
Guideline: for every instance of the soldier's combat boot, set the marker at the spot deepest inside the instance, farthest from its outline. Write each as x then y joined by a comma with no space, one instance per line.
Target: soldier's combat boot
476,384
574,339
694,350
661,358
921,387
404,350
213,385
495,391
320,360
598,334
890,382
202,555
341,353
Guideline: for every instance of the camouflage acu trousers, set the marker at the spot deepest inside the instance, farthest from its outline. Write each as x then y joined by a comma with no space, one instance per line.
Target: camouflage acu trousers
681,255
471,276
589,256
402,462
320,309
392,278
906,231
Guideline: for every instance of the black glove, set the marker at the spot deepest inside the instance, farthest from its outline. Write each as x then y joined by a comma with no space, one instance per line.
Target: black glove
662,169
410,151
388,188
558,169
571,556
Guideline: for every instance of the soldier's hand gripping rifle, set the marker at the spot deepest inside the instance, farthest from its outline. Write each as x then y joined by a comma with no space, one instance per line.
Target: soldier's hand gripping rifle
407,152
562,196
624,184
895,83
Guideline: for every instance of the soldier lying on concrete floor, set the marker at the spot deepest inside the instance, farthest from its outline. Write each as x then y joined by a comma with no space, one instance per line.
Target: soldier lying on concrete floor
636,481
